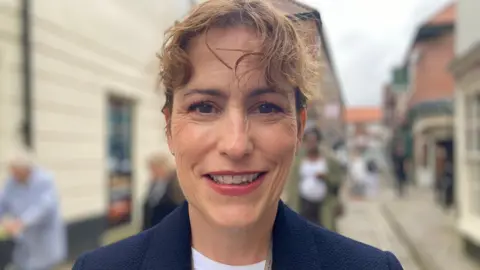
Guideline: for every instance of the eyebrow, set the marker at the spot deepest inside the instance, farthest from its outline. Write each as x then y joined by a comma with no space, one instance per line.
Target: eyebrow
218,93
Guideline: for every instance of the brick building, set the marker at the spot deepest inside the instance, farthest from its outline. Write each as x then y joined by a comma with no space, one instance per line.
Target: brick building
429,114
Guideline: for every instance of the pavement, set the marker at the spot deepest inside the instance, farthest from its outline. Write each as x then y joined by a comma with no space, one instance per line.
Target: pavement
364,221
414,228
428,230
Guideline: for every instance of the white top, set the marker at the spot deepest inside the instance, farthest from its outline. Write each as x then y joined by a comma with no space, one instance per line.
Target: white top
311,187
358,170
201,262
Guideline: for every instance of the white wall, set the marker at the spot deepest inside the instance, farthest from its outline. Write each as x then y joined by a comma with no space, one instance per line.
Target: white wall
467,26
85,50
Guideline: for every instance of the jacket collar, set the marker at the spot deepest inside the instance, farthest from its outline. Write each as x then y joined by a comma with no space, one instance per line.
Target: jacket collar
294,246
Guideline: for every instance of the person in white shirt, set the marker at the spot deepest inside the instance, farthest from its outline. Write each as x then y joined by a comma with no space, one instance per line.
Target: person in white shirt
313,187
358,175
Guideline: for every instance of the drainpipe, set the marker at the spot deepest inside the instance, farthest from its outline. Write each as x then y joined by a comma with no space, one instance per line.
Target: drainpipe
26,77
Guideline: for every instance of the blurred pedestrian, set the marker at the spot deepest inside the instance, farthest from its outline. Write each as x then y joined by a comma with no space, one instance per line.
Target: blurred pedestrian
30,214
399,168
332,206
164,194
372,178
358,175
313,186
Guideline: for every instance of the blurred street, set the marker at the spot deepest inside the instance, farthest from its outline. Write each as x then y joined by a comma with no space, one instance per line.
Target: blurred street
417,231
365,221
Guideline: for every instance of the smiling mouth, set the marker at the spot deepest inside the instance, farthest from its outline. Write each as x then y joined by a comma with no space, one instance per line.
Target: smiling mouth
240,179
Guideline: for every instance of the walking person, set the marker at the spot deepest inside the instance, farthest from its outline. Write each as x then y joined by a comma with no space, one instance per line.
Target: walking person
30,214
332,206
163,193
372,179
313,186
358,175
399,168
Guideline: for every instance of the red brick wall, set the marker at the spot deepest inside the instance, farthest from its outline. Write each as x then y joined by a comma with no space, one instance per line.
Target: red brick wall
432,78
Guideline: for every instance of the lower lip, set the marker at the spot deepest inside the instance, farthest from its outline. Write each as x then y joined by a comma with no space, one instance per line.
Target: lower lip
235,190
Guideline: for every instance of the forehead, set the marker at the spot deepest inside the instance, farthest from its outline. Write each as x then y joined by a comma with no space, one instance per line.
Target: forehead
228,44
214,58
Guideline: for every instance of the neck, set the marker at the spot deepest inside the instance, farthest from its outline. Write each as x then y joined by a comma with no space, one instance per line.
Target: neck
232,246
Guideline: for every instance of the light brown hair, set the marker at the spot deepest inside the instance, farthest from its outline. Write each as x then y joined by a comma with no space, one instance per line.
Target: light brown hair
283,56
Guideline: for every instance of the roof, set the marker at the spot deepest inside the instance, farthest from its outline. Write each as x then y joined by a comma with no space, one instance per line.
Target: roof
437,25
446,15
355,115
440,23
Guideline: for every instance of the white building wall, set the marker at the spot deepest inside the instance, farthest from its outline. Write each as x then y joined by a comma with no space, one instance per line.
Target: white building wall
84,51
468,36
10,79
467,25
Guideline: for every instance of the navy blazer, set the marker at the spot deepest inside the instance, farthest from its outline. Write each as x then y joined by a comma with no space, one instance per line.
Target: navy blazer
297,245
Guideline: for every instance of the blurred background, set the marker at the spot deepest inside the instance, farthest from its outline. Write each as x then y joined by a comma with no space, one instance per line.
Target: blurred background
78,87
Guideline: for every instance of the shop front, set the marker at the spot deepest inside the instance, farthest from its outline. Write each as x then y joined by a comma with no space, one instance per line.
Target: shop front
466,69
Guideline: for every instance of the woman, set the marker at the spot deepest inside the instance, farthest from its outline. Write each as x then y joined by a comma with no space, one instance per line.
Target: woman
236,74
163,193
313,184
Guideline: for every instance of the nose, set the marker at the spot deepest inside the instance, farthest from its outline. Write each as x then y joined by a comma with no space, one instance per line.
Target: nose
235,139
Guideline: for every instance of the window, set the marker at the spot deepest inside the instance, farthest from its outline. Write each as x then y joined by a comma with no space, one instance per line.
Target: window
472,125
472,136
119,143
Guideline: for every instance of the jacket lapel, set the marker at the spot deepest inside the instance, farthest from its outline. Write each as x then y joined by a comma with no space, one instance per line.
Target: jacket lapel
169,245
294,246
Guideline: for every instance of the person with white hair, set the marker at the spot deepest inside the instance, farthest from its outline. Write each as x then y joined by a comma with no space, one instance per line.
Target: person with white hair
30,214
164,193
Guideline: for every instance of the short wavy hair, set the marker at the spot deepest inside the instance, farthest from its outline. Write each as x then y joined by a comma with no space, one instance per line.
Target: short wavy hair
283,55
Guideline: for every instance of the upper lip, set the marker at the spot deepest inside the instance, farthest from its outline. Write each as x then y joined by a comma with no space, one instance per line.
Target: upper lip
234,172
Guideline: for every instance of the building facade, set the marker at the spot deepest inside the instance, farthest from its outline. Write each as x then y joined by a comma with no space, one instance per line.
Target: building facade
332,103
326,106
362,124
466,68
429,113
77,86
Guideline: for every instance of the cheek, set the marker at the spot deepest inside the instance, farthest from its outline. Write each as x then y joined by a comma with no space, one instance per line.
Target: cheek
188,140
279,141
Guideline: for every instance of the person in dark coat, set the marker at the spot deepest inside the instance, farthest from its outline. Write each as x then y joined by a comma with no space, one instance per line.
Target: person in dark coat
235,118
399,162
163,193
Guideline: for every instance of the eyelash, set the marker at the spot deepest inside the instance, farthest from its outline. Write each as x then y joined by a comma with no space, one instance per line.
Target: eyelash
194,106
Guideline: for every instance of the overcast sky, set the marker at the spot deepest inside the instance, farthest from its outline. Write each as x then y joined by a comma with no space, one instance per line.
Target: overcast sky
368,37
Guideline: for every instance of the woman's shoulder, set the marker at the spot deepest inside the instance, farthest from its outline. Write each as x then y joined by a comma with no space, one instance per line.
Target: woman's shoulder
351,254
125,254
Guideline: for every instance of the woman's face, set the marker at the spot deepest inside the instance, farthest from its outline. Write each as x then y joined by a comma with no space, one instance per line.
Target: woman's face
234,138
311,141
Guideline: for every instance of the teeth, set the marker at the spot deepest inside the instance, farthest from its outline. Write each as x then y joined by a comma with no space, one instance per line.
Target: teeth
235,179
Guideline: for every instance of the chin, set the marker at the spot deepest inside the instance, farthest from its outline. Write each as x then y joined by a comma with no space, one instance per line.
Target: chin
236,216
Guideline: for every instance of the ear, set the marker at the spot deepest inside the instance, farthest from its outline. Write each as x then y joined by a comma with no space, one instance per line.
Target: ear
302,120
168,134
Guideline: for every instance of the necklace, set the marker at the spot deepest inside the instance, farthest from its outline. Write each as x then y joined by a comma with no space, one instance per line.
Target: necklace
269,261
